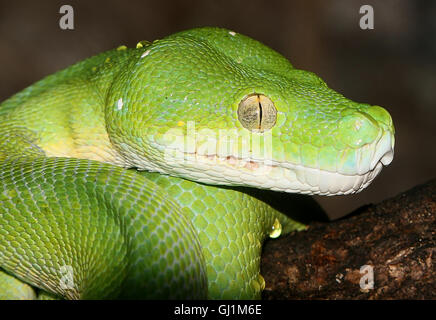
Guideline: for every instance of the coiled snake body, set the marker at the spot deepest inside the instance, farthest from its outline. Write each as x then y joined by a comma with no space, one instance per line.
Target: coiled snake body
120,176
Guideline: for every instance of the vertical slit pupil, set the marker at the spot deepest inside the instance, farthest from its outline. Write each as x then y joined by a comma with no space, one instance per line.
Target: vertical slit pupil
260,112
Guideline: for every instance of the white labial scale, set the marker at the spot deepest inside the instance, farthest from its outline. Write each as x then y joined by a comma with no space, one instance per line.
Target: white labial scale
364,159
279,176
383,151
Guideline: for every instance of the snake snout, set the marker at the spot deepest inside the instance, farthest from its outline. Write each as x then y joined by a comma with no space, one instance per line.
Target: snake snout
384,147
370,132
384,150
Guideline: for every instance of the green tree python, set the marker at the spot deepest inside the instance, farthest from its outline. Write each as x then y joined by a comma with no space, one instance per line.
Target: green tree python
125,175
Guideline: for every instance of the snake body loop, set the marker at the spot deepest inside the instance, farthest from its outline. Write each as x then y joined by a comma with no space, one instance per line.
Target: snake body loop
130,174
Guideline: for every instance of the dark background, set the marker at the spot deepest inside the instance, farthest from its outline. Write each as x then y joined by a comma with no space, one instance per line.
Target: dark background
392,66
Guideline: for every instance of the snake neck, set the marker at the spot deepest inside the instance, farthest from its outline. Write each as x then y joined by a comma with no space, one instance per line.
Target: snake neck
63,115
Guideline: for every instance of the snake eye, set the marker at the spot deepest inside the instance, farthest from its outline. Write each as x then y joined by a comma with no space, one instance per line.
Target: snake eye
257,113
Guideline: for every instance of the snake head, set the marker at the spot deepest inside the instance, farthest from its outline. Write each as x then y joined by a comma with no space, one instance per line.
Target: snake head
214,106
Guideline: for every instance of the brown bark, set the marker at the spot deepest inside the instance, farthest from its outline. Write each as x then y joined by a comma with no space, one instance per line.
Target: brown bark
396,237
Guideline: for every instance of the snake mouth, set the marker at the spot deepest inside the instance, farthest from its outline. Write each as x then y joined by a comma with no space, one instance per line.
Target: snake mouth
278,176
212,168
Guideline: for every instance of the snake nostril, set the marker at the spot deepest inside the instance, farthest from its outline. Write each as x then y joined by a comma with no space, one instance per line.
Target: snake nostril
380,115
358,129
